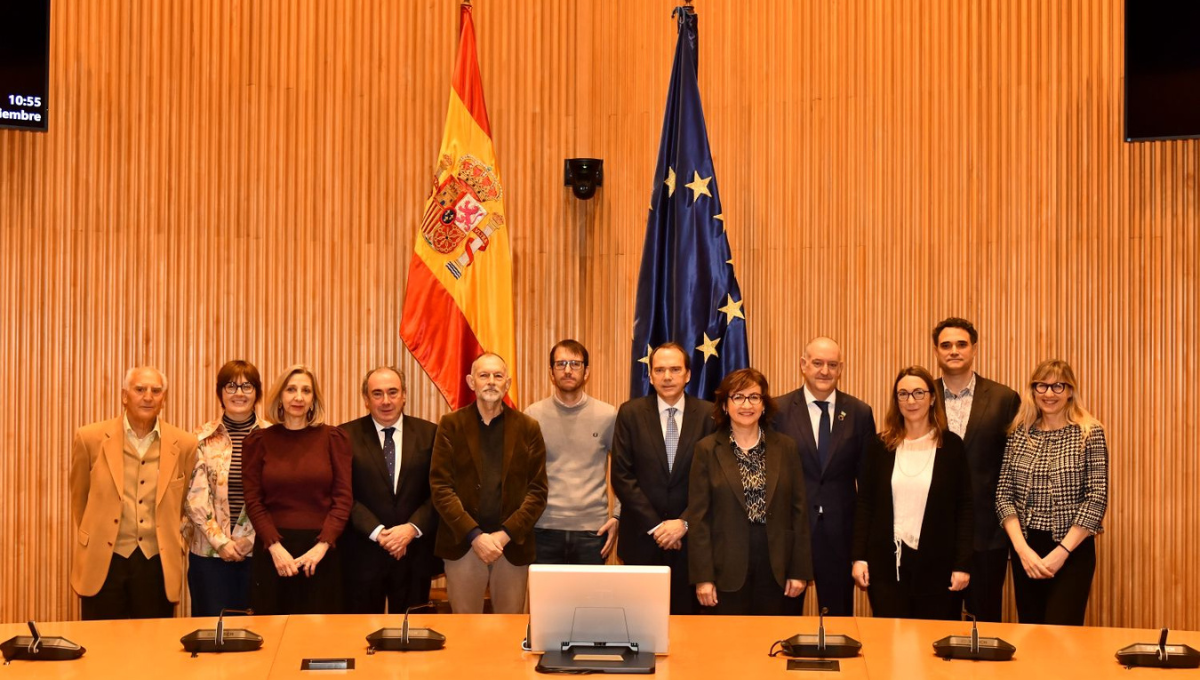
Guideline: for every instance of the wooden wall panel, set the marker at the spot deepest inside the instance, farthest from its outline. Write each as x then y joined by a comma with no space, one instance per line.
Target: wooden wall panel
243,179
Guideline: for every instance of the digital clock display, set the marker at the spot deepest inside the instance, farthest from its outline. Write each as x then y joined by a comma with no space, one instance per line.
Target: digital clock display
24,64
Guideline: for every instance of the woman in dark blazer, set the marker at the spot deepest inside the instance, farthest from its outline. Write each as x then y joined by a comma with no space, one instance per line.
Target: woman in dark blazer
749,533
913,528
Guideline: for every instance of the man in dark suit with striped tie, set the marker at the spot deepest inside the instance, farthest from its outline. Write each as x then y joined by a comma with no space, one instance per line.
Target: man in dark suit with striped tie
832,429
389,543
651,462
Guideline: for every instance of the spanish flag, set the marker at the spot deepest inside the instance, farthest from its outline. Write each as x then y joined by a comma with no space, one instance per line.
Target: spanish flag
459,299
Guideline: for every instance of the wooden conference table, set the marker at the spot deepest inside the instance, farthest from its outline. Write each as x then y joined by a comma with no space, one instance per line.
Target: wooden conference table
488,646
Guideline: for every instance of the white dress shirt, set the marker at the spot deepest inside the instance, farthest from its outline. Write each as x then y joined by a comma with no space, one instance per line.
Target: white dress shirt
662,420
397,438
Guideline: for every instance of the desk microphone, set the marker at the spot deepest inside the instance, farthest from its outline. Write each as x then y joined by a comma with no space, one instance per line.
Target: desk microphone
1161,655
211,641
405,639
34,647
973,646
821,646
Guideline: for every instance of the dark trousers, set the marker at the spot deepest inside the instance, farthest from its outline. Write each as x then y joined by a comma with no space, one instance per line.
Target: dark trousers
985,596
906,598
558,546
835,584
133,589
683,593
394,584
1061,600
216,584
761,594
320,593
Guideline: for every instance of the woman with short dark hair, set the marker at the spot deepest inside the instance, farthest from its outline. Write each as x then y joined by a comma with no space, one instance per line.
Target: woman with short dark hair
749,550
217,529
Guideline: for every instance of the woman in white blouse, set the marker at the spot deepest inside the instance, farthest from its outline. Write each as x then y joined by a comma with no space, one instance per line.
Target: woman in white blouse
913,524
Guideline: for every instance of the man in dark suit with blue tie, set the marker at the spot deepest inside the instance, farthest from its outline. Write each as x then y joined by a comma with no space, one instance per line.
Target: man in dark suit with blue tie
389,544
832,429
652,447
978,410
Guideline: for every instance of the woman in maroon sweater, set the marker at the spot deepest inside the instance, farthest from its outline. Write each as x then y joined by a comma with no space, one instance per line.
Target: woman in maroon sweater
297,483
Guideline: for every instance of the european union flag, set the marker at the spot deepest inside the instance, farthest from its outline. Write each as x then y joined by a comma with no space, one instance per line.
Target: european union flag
687,291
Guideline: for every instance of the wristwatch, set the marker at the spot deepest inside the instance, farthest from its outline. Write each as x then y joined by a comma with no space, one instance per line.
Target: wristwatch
685,525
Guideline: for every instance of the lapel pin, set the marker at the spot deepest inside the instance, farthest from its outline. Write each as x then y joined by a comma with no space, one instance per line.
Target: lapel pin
842,415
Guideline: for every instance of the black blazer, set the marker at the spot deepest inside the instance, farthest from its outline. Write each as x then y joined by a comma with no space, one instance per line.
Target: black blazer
720,543
993,409
946,529
650,494
831,490
375,502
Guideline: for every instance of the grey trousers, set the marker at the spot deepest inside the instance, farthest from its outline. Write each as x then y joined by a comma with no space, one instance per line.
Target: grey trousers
468,577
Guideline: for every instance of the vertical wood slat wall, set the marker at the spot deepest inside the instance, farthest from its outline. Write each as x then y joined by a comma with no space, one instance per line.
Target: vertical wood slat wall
243,179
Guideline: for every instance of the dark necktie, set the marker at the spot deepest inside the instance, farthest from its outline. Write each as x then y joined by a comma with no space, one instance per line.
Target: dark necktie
389,454
672,438
823,434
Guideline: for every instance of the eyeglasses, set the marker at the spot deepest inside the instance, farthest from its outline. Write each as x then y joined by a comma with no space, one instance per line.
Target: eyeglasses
1057,388
741,399
915,395
575,365
234,388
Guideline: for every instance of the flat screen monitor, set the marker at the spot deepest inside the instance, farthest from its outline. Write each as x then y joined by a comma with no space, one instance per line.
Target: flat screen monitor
604,603
24,64
1162,69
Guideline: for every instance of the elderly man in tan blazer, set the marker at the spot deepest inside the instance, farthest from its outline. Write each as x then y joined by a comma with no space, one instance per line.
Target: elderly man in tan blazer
128,478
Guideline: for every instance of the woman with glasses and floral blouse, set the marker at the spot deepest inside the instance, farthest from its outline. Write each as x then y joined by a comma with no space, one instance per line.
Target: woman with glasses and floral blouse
914,527
749,534
1051,497
217,527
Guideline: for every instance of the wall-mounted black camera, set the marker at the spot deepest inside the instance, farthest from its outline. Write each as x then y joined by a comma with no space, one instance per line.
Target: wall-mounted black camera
584,176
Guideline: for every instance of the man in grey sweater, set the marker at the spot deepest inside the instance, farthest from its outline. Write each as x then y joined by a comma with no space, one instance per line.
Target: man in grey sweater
576,527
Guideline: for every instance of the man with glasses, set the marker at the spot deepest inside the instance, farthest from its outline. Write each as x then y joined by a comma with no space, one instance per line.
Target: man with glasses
979,411
389,543
576,527
832,429
127,479
488,483
652,461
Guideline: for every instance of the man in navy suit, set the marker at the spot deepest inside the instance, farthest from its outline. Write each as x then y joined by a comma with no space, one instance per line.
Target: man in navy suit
651,464
980,411
832,429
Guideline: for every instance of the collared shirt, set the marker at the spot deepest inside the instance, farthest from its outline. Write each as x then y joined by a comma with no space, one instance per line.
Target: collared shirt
491,471
662,420
814,411
958,406
662,413
397,438
141,444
